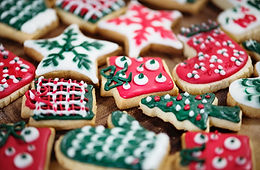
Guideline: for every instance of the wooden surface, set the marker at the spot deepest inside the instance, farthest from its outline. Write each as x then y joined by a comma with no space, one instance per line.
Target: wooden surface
105,105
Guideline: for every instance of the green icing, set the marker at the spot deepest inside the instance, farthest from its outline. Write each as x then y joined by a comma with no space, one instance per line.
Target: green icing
191,1
252,45
124,146
16,13
252,88
187,157
70,36
254,3
197,111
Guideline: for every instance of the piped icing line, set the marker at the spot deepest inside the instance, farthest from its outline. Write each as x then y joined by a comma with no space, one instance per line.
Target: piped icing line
71,51
127,141
143,27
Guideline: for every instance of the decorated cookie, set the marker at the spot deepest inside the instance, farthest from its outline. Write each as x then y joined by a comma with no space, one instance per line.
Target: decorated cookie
214,151
70,55
127,145
25,147
142,28
59,103
131,79
243,21
190,6
226,4
15,78
245,93
215,60
192,113
88,13
253,48
21,20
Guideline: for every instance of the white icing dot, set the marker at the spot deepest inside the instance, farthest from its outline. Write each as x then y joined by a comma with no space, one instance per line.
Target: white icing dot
148,99
140,79
214,136
86,129
191,113
71,152
80,136
202,111
9,151
126,86
232,143
196,153
187,101
186,94
115,131
167,96
200,138
160,79
30,134
139,59
219,163
110,139
122,75
200,166
120,61
189,75
23,160
100,129
204,101
211,65
129,159
1,63
31,148
140,68
152,65
240,160
219,150
178,107
100,155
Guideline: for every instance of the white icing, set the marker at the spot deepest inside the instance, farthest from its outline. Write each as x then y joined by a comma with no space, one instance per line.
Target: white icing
219,163
23,160
167,96
200,138
219,150
148,99
139,59
191,113
100,129
120,63
178,107
152,66
161,79
30,134
204,101
126,86
31,148
241,160
187,101
140,81
214,136
257,68
123,119
186,94
71,152
232,143
202,111
140,68
9,151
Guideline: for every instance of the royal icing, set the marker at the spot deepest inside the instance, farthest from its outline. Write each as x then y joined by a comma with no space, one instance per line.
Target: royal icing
71,51
146,81
88,10
218,56
15,148
143,27
233,151
192,108
26,15
252,45
128,145
15,72
60,99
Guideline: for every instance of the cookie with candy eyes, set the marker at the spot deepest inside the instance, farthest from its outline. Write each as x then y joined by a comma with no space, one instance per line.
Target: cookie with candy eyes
25,147
15,78
215,60
59,103
141,28
241,22
70,55
131,79
253,48
245,93
126,145
214,151
26,19
192,113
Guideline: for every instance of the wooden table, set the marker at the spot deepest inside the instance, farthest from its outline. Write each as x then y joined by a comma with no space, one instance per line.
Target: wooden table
105,105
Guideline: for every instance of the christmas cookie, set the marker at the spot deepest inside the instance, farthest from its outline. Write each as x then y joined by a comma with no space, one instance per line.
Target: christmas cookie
253,48
127,145
243,21
70,55
215,60
15,78
226,4
214,151
190,6
25,147
192,113
131,79
21,20
88,13
141,28
59,103
245,93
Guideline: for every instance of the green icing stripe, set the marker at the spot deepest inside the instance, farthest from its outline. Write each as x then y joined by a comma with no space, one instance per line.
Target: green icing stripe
252,45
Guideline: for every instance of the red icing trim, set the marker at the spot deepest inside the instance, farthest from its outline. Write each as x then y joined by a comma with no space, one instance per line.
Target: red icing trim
210,48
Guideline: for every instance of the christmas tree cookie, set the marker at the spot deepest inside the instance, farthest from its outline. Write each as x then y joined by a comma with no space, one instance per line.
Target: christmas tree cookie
214,151
192,113
25,147
88,13
215,60
253,48
127,145
141,28
15,78
59,103
131,79
22,20
70,55
241,22
245,93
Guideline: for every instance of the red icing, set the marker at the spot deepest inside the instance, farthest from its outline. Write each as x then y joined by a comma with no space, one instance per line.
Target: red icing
198,117
209,153
152,86
200,106
157,98
198,97
169,104
39,154
187,107
179,97
26,77
209,48
244,22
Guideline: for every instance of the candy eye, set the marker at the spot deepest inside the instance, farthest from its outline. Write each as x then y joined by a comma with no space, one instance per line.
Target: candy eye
23,160
30,134
232,143
219,163
120,61
152,65
9,151
240,160
200,138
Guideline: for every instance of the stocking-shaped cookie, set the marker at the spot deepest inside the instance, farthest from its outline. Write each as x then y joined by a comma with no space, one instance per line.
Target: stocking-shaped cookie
245,93
60,103
127,145
214,151
192,113
131,79
253,48
25,148
216,60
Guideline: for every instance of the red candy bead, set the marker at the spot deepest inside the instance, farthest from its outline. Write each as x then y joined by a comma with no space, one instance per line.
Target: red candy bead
187,107
157,98
208,96
198,117
169,104
200,106
198,97
179,97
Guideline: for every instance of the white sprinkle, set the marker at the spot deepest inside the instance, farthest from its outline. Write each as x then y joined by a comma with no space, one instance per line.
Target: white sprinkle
178,107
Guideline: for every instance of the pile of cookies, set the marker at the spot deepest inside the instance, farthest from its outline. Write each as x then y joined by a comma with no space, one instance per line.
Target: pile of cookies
60,93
